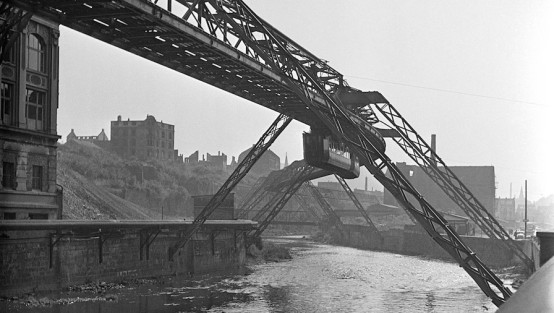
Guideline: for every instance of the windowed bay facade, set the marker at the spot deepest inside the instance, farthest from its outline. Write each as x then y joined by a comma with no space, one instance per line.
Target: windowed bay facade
28,136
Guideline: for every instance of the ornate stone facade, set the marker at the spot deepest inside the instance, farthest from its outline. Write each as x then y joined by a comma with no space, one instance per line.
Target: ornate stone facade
28,123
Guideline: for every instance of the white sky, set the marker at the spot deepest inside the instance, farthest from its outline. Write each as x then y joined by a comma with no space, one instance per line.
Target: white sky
495,57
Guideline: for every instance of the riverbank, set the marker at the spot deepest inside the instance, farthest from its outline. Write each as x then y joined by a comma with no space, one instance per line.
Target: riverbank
98,291
316,278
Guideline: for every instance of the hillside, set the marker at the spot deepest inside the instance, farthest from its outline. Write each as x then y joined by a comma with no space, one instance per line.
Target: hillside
101,185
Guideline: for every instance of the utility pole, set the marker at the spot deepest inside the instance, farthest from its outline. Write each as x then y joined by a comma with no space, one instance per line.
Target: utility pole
525,219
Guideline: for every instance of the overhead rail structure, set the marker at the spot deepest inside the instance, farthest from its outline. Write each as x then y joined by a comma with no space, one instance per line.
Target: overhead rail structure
358,205
225,44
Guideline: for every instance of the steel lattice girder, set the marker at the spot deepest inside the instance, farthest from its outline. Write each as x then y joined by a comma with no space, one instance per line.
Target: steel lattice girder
419,151
242,169
276,204
211,50
276,181
275,72
357,203
333,115
326,207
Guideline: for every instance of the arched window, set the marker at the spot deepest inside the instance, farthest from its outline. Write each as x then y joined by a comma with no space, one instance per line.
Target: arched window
36,53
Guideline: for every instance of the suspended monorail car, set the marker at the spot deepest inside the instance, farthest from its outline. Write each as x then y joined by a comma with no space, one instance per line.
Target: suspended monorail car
321,150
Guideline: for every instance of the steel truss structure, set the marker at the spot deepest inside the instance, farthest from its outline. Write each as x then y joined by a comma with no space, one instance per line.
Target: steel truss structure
275,183
299,197
332,218
358,205
14,20
424,156
297,71
242,169
225,44
296,175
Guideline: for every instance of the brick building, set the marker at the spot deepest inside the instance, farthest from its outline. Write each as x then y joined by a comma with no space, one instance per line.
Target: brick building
28,122
147,139
480,180
100,140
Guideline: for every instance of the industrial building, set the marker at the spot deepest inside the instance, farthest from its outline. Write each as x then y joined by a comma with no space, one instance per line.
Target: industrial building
480,180
147,139
28,123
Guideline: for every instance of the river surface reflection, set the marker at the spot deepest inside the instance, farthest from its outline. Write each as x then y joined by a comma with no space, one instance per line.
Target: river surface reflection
319,278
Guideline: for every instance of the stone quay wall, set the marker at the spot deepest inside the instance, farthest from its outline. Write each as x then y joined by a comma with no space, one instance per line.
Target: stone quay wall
414,242
35,259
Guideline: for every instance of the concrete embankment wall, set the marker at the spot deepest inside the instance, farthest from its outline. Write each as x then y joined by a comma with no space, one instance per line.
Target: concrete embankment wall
52,259
417,243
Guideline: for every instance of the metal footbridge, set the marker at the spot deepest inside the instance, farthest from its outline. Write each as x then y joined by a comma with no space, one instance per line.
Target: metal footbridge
227,45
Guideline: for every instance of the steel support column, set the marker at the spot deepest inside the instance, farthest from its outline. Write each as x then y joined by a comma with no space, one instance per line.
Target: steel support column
242,169
358,205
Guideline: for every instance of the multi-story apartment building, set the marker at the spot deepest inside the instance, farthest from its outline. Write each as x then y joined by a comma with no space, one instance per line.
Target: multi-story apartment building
148,139
28,136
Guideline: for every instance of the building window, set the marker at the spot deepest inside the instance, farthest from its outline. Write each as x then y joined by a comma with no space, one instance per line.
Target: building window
163,134
36,103
36,53
8,175
7,93
170,136
9,215
10,56
38,216
37,177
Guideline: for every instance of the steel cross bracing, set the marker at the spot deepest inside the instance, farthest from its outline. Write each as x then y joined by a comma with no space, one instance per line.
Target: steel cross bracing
334,115
357,203
211,40
279,181
276,204
270,70
303,204
419,151
248,199
242,169
12,22
331,215
275,182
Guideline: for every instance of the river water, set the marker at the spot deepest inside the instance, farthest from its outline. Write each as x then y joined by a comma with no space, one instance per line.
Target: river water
319,278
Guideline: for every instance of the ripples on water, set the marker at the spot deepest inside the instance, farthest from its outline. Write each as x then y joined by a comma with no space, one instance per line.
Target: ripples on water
320,278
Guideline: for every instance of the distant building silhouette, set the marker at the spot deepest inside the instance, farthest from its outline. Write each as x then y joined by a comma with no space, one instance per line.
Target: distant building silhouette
218,161
100,140
480,180
268,162
193,158
148,139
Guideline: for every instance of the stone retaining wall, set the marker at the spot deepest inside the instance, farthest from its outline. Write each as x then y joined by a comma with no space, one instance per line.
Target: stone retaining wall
40,261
